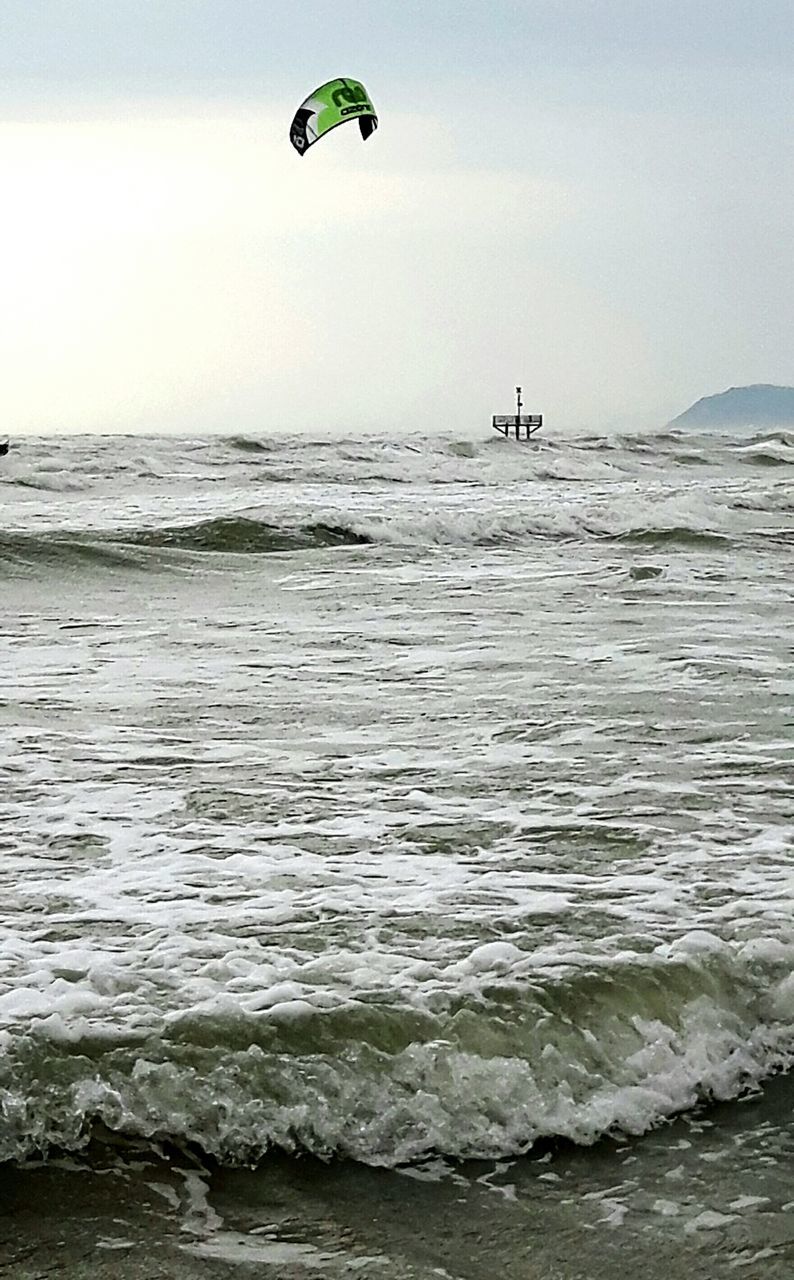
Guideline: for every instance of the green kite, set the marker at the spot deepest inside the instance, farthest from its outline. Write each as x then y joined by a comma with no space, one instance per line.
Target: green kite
333,103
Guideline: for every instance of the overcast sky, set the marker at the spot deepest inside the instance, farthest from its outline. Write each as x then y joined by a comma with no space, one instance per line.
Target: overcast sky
594,198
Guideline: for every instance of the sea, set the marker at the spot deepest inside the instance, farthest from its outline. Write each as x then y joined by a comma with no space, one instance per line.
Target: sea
396,856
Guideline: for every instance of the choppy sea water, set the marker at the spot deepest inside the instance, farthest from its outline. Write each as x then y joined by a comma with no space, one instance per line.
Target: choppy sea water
405,803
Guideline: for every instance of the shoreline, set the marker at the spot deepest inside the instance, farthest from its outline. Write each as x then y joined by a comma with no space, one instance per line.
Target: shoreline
698,1197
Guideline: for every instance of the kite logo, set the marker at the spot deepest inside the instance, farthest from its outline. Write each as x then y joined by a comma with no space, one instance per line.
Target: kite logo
351,94
349,111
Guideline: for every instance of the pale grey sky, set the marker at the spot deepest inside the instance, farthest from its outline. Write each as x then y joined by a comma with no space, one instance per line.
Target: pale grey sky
591,197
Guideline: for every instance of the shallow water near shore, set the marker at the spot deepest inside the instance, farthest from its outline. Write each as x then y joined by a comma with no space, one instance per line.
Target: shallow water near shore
374,808
709,1195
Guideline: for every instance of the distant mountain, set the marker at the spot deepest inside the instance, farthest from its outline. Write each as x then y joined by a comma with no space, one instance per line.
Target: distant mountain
759,406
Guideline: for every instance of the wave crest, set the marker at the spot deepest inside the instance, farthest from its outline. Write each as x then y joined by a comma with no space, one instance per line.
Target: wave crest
594,1053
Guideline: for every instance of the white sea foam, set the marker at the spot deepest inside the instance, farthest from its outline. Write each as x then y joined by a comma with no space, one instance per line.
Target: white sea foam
474,835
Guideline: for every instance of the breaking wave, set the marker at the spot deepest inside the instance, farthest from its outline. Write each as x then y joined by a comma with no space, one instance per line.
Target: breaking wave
498,1067
236,535
248,536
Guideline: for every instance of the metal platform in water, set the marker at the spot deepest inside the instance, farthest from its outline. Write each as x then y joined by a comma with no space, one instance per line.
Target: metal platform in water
521,426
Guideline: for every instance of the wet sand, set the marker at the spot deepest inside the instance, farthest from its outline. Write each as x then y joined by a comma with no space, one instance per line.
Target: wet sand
286,1223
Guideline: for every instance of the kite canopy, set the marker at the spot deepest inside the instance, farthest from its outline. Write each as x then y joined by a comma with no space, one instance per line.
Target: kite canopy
336,102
